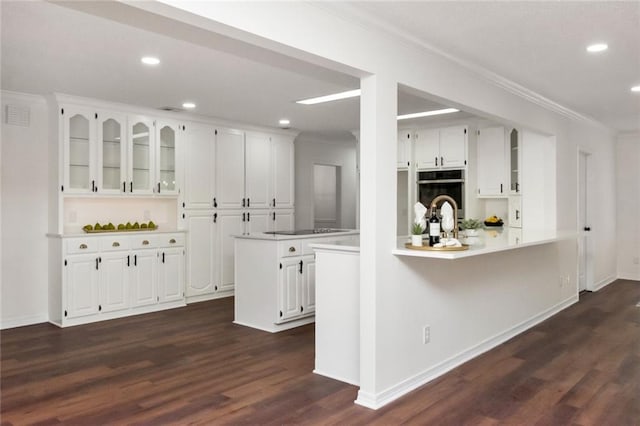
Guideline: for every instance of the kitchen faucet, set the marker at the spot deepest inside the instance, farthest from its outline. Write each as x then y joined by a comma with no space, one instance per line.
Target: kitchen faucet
434,206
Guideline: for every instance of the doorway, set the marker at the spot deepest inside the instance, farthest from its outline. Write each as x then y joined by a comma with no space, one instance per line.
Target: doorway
585,249
326,196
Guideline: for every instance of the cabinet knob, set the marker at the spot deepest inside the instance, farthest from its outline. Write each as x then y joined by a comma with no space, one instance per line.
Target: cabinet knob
172,241
145,242
115,244
83,246
292,249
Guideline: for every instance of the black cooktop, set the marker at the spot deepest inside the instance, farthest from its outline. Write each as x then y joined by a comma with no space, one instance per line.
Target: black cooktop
306,231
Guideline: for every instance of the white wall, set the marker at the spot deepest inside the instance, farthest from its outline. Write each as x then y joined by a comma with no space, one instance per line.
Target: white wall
24,215
312,149
628,202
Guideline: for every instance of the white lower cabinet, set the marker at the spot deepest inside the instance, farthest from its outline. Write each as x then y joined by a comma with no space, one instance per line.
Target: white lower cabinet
202,267
110,280
296,287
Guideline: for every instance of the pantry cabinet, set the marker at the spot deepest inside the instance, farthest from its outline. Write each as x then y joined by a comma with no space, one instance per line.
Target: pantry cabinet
257,170
229,169
282,172
199,174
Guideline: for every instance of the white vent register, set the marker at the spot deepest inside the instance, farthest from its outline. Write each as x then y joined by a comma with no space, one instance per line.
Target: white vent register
18,115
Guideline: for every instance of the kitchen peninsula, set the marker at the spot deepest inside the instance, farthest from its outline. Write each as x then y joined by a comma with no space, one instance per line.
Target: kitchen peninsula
275,276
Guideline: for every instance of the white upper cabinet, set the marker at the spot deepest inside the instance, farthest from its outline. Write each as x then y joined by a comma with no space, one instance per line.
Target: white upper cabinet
230,169
257,168
515,161
112,152
166,157
453,147
441,148
141,155
492,162
282,172
199,158
427,148
79,146
404,148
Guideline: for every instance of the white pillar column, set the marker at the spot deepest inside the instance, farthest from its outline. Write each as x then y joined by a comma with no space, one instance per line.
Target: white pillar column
378,134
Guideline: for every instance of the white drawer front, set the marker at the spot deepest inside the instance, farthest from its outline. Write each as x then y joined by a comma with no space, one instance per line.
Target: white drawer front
81,245
115,243
171,240
290,248
144,241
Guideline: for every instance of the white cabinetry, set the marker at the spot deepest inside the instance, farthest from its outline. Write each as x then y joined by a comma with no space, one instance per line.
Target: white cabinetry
515,161
199,158
79,144
282,159
296,288
404,148
105,277
515,211
141,154
230,223
257,170
202,269
492,177
441,148
229,169
112,152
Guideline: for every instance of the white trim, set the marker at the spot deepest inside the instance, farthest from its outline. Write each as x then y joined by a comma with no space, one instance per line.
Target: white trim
603,283
631,276
22,97
375,401
370,22
210,296
23,321
334,377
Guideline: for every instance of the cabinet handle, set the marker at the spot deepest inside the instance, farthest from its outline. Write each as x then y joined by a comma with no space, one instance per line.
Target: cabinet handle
301,266
83,246
162,257
128,260
501,188
244,218
93,186
96,263
172,241
274,215
292,249
158,187
517,214
436,161
215,217
215,203
243,203
145,242
301,309
274,202
248,202
131,186
99,307
248,217
280,313
115,244
135,260
517,187
183,205
124,186
442,161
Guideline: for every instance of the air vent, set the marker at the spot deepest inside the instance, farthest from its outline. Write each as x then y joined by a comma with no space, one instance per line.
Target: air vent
172,109
18,115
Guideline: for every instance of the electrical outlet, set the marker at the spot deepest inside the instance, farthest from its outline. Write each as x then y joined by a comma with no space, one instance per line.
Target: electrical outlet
426,334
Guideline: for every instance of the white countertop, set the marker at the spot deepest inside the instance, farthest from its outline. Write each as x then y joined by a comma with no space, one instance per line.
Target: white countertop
275,237
490,241
352,246
116,233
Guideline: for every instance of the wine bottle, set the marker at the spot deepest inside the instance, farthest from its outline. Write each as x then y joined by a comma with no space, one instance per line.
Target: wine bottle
434,229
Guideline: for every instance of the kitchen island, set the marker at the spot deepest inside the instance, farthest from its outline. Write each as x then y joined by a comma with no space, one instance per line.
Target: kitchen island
275,277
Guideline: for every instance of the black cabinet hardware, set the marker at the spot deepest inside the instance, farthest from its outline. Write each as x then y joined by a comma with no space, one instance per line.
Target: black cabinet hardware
96,263
501,188
183,205
96,115
135,260
442,161
248,202
274,215
131,186
517,187
65,262
244,219
62,113
587,228
99,307
215,288
183,215
62,188
158,187
215,203
301,266
124,186
215,217
243,203
280,314
162,257
93,186
274,202
248,217
281,266
128,260
65,313
301,309
517,214
436,161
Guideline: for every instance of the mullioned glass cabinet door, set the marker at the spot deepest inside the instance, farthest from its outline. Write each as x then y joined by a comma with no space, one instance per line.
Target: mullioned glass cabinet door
79,146
112,153
167,160
141,138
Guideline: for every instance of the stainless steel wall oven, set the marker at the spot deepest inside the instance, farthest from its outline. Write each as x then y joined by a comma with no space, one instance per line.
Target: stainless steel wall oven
437,182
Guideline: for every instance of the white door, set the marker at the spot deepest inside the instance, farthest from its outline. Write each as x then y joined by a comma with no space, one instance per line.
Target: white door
585,249
427,148
404,149
81,280
144,277
114,281
257,170
230,169
171,275
199,158
141,155
453,146
308,284
112,152
201,246
79,135
282,220
289,286
491,162
230,223
282,172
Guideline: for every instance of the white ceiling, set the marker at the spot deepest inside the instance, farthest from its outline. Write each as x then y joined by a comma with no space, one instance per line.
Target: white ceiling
49,48
537,44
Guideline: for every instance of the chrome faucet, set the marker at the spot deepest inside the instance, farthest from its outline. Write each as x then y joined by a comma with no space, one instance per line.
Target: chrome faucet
434,206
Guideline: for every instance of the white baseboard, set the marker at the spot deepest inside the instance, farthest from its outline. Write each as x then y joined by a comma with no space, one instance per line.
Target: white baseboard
334,377
633,276
210,296
375,401
603,283
23,321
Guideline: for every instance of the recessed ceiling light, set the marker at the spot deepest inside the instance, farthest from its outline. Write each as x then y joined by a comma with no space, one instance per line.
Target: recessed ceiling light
284,122
188,105
150,60
427,113
597,47
635,89
329,98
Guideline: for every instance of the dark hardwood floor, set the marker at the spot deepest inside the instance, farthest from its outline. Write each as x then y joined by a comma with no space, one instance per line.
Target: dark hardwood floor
193,366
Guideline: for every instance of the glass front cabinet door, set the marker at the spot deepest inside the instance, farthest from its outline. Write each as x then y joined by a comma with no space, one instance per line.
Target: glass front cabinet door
166,158
79,135
141,153
112,153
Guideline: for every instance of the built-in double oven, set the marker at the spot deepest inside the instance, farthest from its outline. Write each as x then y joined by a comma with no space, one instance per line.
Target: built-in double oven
438,182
